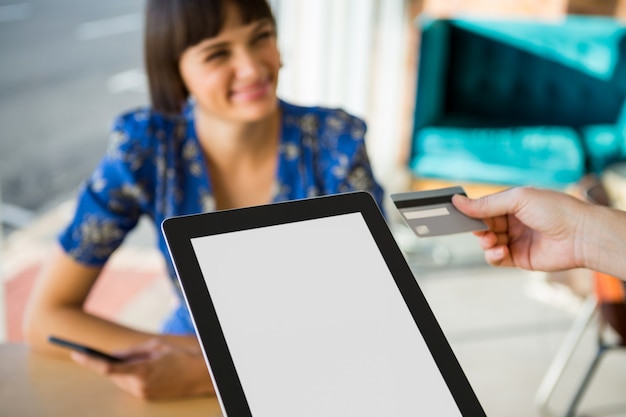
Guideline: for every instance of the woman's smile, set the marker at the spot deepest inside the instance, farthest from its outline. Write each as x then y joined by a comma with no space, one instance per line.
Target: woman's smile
252,92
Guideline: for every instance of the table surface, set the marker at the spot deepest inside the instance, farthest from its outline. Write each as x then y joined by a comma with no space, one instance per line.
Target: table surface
41,386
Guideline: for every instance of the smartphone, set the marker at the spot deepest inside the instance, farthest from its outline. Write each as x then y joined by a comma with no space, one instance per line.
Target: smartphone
83,349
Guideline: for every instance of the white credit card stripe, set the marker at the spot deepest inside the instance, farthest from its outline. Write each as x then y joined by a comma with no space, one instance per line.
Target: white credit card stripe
421,214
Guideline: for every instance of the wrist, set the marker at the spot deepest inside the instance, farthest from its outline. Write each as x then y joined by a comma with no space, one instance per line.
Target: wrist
201,384
599,240
607,253
187,342
583,251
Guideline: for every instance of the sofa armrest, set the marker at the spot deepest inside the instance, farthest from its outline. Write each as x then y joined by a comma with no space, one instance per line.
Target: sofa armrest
432,71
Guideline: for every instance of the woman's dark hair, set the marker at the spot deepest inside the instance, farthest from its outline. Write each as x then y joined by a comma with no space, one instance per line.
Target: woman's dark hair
174,25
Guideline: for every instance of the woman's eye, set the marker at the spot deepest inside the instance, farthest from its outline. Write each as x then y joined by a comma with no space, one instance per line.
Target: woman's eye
264,35
215,56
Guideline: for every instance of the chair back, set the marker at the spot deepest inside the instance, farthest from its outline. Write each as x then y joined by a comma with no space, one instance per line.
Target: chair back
611,299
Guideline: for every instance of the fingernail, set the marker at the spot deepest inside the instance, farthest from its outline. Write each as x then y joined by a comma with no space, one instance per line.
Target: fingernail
460,197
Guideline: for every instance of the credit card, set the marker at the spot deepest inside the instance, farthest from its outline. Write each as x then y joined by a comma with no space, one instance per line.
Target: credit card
431,213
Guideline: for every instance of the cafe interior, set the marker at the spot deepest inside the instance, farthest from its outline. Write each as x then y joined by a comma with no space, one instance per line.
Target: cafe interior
486,94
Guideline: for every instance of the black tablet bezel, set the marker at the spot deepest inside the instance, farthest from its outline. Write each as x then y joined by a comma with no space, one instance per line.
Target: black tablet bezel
179,231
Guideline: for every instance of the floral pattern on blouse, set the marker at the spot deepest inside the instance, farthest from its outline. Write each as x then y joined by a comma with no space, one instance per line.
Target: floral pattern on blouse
154,167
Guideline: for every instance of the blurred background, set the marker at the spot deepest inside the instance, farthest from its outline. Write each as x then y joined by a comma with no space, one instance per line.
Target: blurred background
68,67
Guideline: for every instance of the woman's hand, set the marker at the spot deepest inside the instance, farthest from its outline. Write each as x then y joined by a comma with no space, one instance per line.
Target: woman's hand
155,370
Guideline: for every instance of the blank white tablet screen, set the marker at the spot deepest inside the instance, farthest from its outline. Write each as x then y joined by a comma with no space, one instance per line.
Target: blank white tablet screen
316,325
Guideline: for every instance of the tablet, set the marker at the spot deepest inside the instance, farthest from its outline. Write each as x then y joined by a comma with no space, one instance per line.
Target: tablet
308,308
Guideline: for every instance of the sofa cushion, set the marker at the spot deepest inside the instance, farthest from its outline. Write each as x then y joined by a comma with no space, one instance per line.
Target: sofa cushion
550,156
604,145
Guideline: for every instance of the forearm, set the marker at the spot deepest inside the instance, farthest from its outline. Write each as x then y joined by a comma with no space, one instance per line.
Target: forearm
603,243
80,326
56,306
75,324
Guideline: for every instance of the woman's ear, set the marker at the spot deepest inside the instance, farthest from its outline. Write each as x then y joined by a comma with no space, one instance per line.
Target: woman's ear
280,58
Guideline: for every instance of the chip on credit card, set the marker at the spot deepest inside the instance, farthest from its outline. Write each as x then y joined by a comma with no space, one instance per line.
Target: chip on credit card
431,212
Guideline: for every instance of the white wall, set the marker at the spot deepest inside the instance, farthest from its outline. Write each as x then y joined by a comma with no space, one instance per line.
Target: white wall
349,54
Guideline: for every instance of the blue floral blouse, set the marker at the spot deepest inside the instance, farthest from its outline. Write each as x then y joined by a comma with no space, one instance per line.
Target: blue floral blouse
154,166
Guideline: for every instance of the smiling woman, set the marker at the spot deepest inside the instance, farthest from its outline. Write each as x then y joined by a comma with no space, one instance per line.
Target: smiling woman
216,136
234,75
188,25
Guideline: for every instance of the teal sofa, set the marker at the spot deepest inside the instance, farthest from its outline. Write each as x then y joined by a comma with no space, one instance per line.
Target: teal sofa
519,102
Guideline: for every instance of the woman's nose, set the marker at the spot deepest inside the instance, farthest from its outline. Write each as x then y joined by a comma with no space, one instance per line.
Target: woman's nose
246,64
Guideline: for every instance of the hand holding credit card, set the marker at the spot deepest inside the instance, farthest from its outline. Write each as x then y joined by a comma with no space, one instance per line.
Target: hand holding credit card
431,213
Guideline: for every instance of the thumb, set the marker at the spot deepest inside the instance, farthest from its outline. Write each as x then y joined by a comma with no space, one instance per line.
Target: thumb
492,205
467,206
